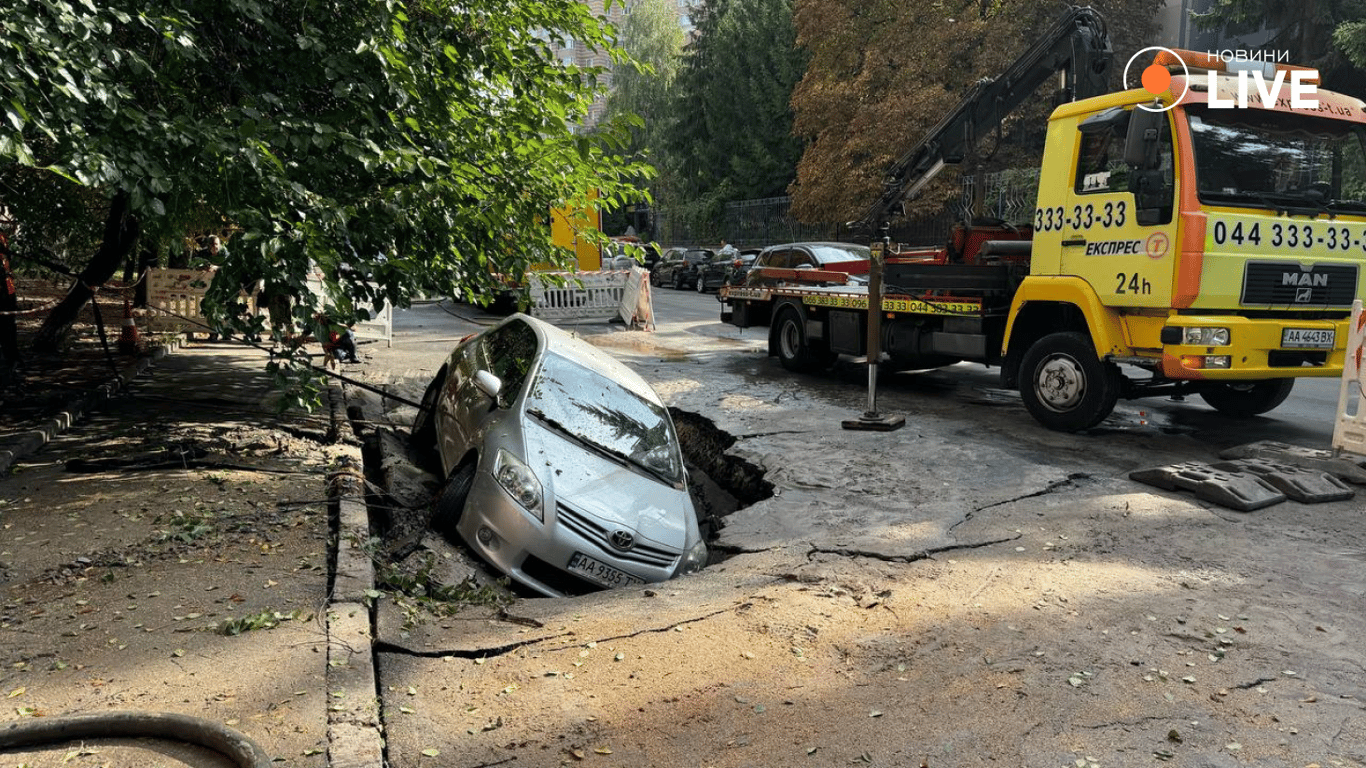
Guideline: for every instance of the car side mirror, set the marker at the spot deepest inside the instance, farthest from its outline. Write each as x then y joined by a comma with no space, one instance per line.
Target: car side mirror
489,384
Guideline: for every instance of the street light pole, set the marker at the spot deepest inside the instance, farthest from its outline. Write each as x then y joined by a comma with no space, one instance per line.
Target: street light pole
871,420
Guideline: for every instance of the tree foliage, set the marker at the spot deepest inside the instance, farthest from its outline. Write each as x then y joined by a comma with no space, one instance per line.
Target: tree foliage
653,39
401,147
734,139
883,73
1328,35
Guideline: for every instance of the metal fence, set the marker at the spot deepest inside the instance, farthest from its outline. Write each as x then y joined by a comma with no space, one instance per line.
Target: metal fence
1009,195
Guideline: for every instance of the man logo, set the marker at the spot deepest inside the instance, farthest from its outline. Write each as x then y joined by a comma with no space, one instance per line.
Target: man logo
623,540
1304,278
1304,295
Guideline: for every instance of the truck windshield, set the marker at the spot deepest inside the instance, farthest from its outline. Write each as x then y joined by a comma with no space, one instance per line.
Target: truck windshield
1281,161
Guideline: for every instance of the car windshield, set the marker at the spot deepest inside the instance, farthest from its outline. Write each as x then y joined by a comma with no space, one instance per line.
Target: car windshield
598,411
1280,161
830,254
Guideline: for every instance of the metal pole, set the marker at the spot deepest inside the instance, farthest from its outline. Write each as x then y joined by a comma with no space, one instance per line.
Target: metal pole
871,419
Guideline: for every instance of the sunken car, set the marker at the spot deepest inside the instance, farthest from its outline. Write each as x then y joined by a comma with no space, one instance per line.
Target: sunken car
562,467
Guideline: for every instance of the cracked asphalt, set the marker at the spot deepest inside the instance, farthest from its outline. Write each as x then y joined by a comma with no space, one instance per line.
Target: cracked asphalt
971,590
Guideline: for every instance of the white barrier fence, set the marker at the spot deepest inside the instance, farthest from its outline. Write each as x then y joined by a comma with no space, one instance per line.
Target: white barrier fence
174,296
1349,431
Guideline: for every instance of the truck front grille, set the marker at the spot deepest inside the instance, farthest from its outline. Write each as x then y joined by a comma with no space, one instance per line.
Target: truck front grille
1286,283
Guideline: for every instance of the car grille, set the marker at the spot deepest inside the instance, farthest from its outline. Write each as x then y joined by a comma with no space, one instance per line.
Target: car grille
587,527
1284,283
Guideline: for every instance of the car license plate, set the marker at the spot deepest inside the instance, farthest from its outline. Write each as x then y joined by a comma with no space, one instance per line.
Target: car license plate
1311,338
601,573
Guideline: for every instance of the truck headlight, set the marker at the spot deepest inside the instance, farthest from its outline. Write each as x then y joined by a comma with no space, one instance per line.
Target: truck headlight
694,559
520,483
1197,336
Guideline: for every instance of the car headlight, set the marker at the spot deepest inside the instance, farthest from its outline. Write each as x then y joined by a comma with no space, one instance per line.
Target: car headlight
694,560
518,480
1198,336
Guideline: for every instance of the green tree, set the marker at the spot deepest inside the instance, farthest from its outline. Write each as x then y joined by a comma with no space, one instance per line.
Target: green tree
734,138
644,92
400,147
1329,35
882,74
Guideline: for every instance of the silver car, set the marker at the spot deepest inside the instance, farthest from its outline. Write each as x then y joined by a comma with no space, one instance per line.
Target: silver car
563,467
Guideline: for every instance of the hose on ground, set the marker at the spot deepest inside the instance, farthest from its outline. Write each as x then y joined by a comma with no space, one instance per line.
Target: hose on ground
131,725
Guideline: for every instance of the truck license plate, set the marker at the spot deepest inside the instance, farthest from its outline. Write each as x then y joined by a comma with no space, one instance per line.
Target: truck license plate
601,573
1307,338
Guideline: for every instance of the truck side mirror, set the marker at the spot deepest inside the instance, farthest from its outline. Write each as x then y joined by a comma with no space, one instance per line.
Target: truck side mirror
1140,145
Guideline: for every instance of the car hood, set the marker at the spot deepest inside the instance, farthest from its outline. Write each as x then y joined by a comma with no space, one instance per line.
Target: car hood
606,490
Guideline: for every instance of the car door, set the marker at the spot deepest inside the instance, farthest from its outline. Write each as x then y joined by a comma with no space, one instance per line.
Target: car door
508,352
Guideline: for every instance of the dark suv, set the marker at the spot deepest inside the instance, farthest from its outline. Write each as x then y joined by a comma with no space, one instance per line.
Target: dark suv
680,267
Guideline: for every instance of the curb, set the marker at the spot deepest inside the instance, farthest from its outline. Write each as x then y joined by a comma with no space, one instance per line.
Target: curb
29,442
355,730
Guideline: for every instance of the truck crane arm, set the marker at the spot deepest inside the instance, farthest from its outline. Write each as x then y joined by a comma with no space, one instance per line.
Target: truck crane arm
1077,45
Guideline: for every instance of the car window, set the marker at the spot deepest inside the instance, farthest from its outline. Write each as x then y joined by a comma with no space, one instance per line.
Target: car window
830,254
800,258
776,258
594,408
508,353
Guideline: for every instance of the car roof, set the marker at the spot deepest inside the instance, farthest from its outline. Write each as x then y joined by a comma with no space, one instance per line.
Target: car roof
579,351
829,243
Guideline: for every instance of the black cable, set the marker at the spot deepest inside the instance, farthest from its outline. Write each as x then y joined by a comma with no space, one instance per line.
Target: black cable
232,744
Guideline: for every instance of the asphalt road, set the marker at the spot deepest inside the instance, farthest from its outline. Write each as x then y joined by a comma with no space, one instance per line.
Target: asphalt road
1306,418
922,555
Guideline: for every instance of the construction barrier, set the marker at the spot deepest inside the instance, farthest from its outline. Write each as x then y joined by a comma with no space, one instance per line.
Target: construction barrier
379,326
173,299
583,296
636,309
1349,432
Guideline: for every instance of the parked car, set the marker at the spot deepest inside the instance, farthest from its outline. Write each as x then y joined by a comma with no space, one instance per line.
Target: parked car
615,255
727,271
562,466
679,267
840,257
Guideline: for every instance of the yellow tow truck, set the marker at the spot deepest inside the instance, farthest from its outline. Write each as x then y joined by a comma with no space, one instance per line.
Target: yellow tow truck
1208,237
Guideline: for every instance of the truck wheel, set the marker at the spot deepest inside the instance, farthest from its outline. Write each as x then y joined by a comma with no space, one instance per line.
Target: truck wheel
423,434
1064,385
1248,398
793,350
450,505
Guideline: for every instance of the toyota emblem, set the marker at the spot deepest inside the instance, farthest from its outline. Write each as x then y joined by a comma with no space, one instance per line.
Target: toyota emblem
623,540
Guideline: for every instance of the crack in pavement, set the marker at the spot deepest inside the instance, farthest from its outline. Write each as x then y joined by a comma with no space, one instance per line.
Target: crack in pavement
923,554
770,434
385,646
1053,487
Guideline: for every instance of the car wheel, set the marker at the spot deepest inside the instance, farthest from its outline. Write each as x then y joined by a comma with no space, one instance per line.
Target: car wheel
701,285
1248,398
1064,385
423,434
450,505
795,351
678,281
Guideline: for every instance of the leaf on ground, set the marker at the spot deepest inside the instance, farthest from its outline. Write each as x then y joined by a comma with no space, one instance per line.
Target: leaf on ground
429,752
17,692
603,750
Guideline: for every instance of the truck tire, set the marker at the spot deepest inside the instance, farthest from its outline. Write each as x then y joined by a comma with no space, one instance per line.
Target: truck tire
794,351
1248,398
1064,386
